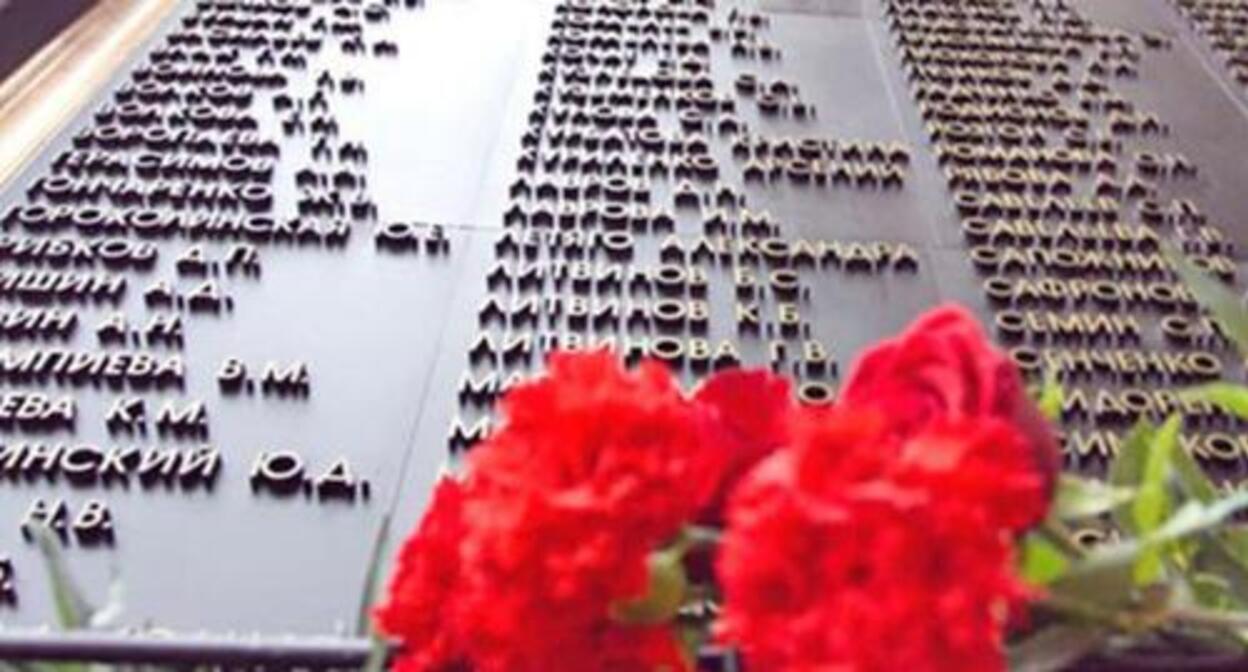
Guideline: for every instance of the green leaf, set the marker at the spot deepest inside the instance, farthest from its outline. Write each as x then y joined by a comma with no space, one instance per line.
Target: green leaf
1051,397
1213,295
1079,497
1152,502
1192,518
1193,480
363,618
1127,468
1222,553
109,615
1211,590
1056,647
72,609
1195,517
1108,584
1229,397
1235,539
1042,562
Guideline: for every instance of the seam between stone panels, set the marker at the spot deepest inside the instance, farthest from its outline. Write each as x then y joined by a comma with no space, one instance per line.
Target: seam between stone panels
422,395
1185,33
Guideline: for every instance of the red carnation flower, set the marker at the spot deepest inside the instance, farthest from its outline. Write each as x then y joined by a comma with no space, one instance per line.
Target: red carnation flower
748,418
981,464
945,366
594,469
840,555
423,587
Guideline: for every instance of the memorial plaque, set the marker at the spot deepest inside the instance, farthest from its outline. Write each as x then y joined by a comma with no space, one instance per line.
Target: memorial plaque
260,293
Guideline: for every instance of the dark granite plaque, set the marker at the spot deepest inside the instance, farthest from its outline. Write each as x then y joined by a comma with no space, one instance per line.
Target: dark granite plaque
25,25
271,283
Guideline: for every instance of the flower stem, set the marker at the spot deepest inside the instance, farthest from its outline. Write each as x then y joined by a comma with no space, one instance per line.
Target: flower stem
1211,618
1087,611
